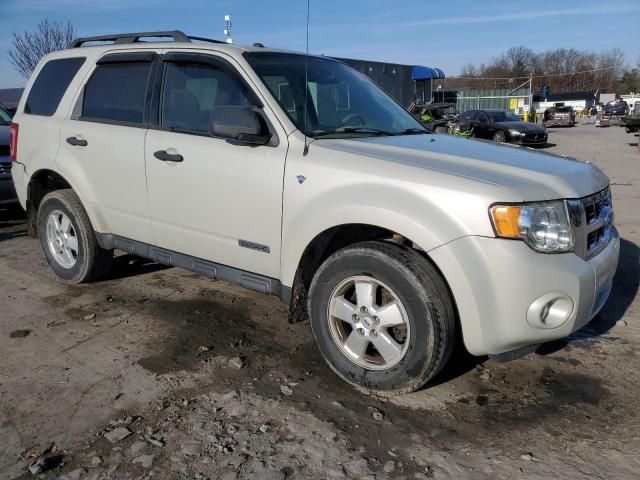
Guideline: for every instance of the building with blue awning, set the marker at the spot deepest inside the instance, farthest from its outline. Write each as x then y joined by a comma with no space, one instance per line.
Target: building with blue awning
406,83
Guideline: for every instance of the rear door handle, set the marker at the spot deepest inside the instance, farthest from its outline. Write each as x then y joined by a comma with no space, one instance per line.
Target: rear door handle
77,141
168,157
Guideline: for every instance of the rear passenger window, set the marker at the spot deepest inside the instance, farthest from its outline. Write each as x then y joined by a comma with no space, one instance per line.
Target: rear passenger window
51,84
117,92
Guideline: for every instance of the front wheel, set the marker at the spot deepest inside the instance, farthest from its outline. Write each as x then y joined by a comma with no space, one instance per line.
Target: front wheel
382,317
499,137
68,240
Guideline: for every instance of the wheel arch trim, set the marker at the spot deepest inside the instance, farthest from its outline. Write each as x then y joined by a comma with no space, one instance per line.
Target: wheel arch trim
97,221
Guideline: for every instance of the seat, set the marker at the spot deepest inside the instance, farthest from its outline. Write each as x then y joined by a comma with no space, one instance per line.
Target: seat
183,112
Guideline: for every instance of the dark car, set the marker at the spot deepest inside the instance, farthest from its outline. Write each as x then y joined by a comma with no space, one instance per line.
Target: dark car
559,117
503,126
618,108
7,192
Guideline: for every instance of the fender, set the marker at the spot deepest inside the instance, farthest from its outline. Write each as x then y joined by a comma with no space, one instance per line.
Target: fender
424,224
97,222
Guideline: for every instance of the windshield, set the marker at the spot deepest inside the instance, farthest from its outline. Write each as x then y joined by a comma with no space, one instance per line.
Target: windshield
504,117
5,118
340,101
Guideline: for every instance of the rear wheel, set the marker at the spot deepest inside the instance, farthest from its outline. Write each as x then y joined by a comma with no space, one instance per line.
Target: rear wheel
382,317
499,137
68,239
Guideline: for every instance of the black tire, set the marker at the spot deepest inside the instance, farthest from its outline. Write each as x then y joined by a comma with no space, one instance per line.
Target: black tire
499,137
93,262
425,297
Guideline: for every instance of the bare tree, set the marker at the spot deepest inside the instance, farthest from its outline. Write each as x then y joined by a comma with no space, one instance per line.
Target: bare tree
611,63
519,61
469,70
562,69
28,48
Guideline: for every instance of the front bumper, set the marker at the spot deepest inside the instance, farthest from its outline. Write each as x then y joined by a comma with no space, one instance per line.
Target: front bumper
531,139
7,192
495,282
558,123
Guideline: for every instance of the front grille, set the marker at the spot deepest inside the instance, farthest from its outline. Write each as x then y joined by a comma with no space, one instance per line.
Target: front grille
534,137
592,219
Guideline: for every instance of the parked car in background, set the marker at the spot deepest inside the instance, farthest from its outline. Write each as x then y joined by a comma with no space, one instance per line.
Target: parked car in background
617,108
7,192
559,117
503,126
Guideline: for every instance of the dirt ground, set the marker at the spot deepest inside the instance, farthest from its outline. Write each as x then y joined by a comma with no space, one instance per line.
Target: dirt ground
159,373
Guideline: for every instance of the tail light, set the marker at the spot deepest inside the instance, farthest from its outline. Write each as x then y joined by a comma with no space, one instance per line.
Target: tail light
13,142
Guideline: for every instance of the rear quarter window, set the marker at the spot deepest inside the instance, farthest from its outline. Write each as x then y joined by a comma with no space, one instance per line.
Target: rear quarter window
51,84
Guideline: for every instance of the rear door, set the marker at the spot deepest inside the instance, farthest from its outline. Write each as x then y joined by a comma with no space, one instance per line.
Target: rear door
221,201
102,143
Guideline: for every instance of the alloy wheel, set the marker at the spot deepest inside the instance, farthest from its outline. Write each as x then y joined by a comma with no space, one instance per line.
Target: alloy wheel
62,239
369,323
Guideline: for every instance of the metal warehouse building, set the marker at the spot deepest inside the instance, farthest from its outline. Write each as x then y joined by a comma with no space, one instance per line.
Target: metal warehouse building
406,83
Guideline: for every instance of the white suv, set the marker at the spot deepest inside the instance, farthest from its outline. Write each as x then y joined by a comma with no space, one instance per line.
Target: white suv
296,176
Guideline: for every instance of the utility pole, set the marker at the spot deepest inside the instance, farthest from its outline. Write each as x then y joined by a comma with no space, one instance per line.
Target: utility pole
227,28
531,97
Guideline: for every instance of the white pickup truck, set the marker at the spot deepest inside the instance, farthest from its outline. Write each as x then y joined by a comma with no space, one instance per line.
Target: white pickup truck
297,176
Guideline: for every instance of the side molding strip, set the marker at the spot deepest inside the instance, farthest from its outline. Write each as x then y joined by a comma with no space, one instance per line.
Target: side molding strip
245,279
254,246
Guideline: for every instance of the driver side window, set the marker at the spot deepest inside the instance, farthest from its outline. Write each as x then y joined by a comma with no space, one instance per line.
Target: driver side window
192,90
482,117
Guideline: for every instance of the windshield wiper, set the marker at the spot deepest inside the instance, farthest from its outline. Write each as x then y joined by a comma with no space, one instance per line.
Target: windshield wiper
415,131
373,131
340,130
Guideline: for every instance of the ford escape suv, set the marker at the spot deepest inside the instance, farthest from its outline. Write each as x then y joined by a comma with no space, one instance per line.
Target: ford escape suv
297,176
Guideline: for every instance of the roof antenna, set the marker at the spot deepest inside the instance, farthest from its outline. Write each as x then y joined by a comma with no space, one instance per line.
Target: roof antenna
306,87
227,29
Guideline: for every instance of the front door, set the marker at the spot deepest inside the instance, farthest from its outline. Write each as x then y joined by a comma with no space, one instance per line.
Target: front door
482,127
211,198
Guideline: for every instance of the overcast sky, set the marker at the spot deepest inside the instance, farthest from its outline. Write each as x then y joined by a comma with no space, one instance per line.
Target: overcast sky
444,34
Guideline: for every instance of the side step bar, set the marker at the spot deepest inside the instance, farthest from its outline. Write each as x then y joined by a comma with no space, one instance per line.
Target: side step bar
245,279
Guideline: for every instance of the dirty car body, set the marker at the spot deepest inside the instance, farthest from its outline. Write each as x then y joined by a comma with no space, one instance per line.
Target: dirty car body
343,204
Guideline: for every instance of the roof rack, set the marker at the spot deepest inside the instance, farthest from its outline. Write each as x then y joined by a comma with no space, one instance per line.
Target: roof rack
124,38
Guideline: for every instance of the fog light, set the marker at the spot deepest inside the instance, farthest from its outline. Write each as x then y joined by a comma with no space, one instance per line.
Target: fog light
550,310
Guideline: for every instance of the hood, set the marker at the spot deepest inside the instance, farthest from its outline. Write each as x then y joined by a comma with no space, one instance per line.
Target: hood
524,127
516,173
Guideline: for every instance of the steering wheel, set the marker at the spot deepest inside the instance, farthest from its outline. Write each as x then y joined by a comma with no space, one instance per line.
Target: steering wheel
347,120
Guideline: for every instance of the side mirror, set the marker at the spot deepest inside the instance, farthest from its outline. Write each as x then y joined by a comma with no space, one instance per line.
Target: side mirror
240,124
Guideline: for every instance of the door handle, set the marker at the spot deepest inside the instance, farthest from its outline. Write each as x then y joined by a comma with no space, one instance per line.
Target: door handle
77,141
168,157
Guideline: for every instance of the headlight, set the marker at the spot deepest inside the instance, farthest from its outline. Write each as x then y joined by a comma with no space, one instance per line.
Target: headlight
545,226
514,132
